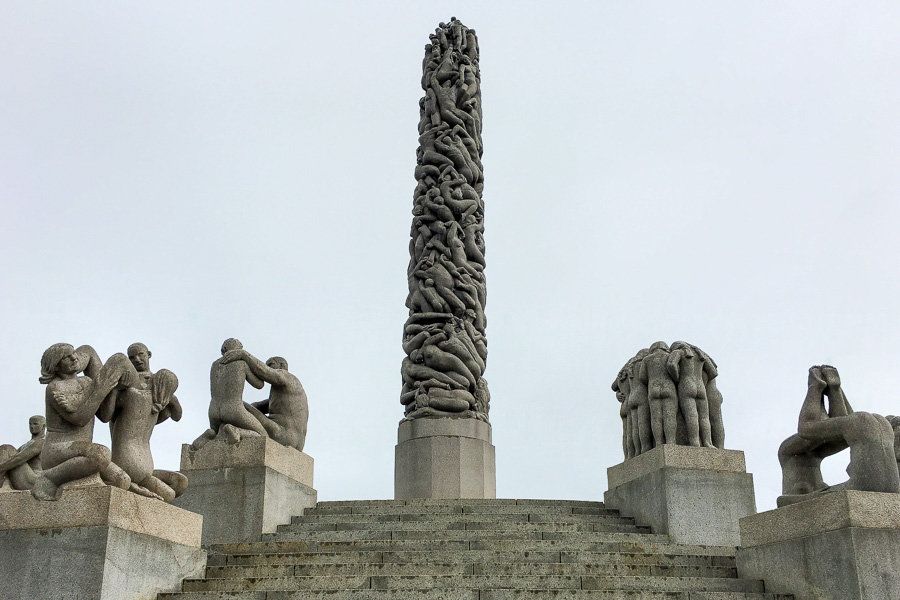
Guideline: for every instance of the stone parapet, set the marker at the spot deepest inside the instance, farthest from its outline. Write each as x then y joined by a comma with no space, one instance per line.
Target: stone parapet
96,543
695,495
842,545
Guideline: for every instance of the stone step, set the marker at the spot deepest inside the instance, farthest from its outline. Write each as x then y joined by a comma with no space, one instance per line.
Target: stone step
474,582
486,557
337,524
488,593
534,533
463,508
466,568
614,542
423,502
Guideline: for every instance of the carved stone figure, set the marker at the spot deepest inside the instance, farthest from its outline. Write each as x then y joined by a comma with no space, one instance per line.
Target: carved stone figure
133,415
669,396
72,402
228,414
20,468
823,431
284,414
444,334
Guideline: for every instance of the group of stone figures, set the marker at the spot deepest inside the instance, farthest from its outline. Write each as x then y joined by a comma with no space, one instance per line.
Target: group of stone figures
444,336
125,393
668,395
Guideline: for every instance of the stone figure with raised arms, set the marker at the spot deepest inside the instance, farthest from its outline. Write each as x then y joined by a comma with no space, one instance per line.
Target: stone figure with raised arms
133,415
229,416
20,468
72,402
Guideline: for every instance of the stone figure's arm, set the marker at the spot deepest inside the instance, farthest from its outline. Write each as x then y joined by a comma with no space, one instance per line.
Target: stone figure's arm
172,411
813,422
264,372
642,372
262,406
93,360
109,408
253,379
673,365
25,453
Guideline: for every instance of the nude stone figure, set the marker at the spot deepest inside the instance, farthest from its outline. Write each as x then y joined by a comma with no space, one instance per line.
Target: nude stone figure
714,399
685,367
71,404
639,404
285,413
662,394
228,415
823,431
136,411
622,387
19,469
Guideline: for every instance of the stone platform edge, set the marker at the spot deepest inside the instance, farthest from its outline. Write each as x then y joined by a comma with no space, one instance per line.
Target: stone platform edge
102,506
431,427
249,452
829,512
678,457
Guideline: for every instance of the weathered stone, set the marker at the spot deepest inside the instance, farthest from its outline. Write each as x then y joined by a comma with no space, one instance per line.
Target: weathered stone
843,545
695,495
246,489
95,543
444,458
20,468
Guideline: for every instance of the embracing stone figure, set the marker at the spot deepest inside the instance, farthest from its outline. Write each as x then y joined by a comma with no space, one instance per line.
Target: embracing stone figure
72,402
19,469
283,416
826,430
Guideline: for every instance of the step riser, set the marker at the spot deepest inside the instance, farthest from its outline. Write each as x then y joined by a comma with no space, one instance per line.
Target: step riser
458,523
432,594
451,534
483,509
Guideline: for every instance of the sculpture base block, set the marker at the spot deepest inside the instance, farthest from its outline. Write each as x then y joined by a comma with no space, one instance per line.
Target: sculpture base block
695,495
838,546
444,458
246,489
95,543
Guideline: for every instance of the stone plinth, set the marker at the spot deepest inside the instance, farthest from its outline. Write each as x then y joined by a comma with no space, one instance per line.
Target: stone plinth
695,495
444,458
246,489
838,546
95,543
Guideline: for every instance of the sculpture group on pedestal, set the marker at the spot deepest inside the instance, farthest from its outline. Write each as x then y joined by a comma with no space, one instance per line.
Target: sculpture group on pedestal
668,395
282,416
121,392
826,430
444,336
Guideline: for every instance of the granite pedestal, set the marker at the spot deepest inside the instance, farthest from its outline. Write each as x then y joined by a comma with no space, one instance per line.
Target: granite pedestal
841,545
246,489
444,458
695,495
95,543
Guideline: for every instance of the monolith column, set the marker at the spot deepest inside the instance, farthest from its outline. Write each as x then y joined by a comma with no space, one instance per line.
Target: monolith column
444,445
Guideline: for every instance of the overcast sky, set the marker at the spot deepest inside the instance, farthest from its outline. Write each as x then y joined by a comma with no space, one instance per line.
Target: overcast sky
724,173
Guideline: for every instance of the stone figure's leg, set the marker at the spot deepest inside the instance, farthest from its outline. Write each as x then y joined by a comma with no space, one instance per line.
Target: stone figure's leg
272,428
159,489
234,435
717,428
873,466
626,431
6,453
203,439
22,477
670,418
688,406
656,421
635,432
175,480
703,421
801,471
645,432
71,461
117,371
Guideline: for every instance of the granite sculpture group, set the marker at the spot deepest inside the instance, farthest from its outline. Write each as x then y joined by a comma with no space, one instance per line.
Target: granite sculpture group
125,393
668,395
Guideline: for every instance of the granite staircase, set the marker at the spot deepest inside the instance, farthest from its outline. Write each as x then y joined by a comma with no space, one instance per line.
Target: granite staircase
468,550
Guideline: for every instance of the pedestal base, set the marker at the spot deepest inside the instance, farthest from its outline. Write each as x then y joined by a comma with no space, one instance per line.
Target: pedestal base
444,458
95,543
839,546
246,489
695,495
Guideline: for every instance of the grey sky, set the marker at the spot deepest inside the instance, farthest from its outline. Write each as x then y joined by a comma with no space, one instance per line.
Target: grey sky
725,173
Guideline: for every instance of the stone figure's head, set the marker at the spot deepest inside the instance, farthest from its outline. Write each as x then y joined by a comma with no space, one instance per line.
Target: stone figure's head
659,346
139,355
231,344
277,362
58,359
37,424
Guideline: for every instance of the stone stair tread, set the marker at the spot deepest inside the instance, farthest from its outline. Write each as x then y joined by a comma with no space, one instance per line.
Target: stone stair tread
452,534
483,509
452,520
428,502
660,583
485,594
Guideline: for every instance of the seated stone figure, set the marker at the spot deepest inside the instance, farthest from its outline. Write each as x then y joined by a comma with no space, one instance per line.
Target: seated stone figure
133,415
20,468
228,415
823,432
72,402
284,414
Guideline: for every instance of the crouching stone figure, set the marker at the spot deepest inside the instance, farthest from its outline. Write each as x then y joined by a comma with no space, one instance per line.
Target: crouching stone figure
20,468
